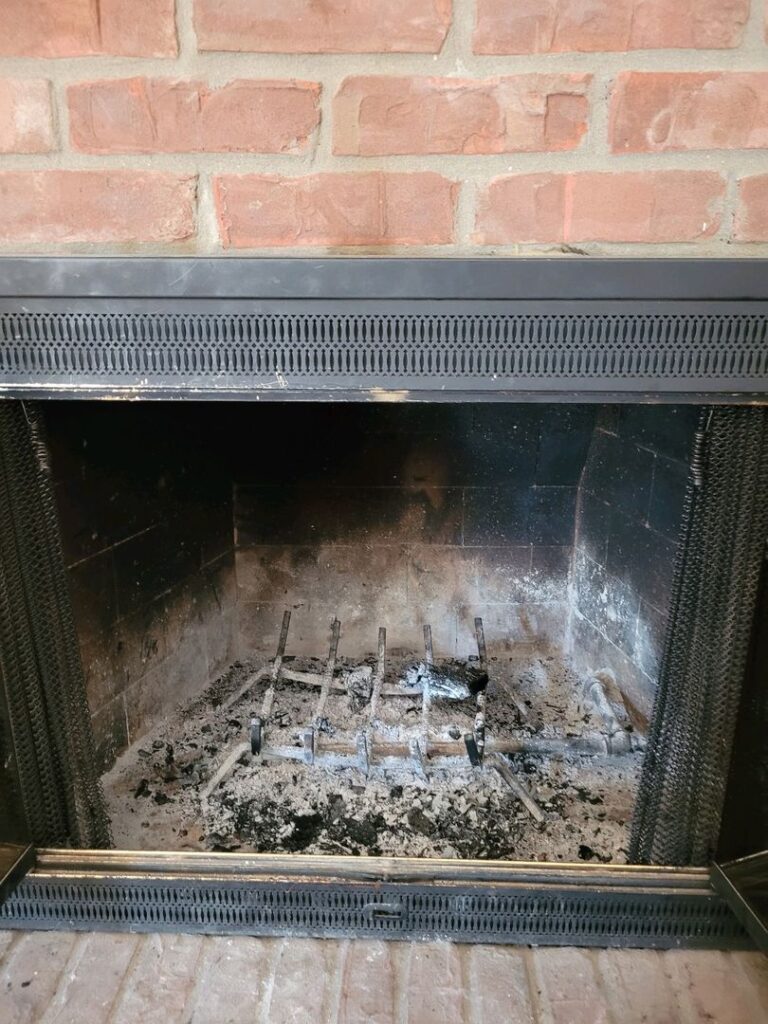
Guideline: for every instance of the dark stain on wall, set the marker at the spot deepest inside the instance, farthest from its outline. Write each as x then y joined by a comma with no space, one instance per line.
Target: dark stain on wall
146,519
401,515
188,528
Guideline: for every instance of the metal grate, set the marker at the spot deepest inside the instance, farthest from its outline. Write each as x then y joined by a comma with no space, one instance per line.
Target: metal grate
594,918
310,350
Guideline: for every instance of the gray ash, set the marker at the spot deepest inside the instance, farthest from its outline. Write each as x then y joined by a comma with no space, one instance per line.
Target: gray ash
285,806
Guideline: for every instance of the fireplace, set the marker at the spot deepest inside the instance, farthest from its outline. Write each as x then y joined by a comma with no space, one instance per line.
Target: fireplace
399,597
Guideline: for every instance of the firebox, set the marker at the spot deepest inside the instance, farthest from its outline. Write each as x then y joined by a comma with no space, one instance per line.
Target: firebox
397,597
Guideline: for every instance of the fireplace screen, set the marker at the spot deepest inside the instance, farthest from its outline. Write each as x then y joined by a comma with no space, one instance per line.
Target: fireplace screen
499,611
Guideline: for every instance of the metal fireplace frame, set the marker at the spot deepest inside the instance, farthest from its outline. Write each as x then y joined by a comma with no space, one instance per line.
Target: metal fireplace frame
374,897
395,330
370,329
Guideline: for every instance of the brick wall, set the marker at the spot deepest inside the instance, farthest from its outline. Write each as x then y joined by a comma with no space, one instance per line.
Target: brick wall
437,126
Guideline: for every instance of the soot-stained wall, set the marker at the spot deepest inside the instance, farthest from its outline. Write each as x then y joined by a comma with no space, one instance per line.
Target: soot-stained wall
627,526
146,520
189,528
402,515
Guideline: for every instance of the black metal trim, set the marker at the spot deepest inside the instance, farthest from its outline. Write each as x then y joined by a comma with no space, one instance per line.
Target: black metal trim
737,882
385,329
468,901
360,277
15,862
169,394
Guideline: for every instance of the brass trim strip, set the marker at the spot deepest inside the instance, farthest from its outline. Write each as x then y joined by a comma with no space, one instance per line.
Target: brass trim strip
318,868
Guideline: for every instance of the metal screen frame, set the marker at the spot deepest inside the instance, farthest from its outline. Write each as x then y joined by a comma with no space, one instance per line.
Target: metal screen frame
385,329
613,330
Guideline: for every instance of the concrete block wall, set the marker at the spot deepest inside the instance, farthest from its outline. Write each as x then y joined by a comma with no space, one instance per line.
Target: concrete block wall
439,127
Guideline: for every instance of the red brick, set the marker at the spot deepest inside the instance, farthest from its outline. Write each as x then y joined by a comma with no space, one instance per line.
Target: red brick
293,998
381,114
557,26
638,206
167,964
569,989
158,115
368,986
499,985
636,986
87,990
323,26
95,206
230,982
369,209
435,984
26,116
81,28
752,213
652,112
41,956
712,989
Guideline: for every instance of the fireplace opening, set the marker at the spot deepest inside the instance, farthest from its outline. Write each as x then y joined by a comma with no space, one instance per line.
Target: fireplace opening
365,576
394,629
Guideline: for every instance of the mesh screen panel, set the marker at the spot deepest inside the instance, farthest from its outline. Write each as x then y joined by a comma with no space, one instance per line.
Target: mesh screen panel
725,525
49,722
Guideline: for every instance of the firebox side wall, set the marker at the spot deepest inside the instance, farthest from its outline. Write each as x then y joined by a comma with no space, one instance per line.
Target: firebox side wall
404,515
628,518
146,519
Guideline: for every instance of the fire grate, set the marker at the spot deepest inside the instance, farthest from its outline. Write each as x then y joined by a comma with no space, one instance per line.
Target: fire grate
418,747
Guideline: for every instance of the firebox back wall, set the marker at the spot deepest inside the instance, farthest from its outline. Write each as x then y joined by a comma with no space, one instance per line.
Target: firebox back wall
404,515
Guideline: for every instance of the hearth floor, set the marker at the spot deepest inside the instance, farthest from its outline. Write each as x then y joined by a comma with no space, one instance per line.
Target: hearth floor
156,790
102,978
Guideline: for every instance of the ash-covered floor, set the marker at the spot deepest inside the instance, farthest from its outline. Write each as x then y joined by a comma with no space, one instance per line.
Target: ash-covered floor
155,792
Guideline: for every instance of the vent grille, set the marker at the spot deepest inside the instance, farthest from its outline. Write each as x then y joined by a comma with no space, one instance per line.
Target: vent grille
496,351
396,911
